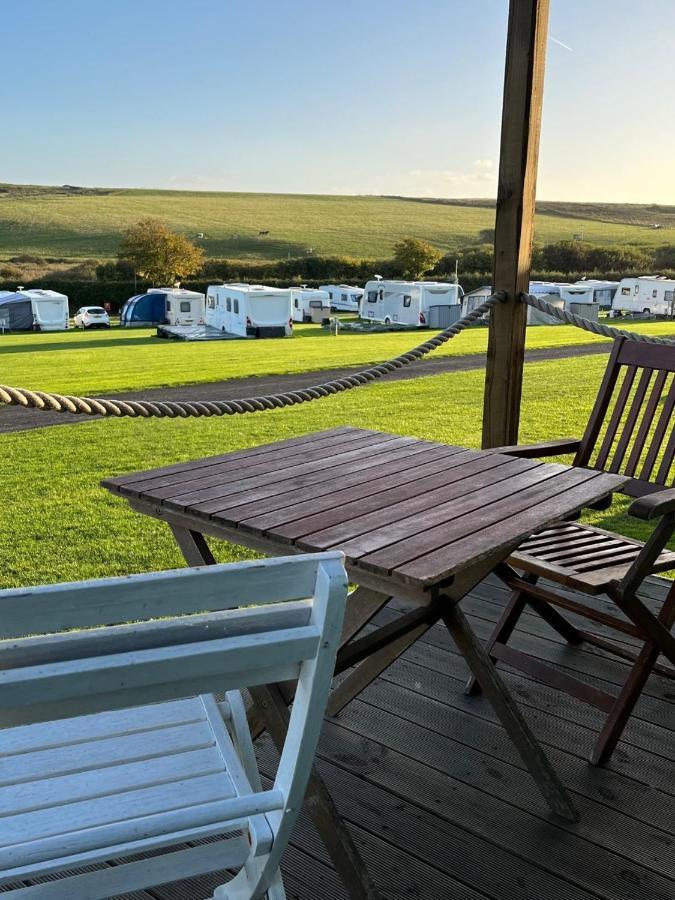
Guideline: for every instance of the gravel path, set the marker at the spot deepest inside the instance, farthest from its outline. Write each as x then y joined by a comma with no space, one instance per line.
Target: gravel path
16,418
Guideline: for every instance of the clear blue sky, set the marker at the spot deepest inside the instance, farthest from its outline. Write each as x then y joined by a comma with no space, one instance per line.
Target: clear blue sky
331,96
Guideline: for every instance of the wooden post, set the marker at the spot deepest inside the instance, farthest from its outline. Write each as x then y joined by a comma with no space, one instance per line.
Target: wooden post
521,121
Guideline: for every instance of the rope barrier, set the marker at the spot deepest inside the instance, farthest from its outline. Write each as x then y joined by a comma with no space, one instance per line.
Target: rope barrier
594,327
90,406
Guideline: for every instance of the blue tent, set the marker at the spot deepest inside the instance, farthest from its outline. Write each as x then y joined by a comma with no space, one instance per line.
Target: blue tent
16,311
144,309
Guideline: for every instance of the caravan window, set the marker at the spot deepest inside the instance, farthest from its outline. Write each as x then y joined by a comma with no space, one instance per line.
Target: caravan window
636,289
372,296
407,300
343,298
296,304
229,305
168,305
185,306
236,305
625,292
654,292
211,301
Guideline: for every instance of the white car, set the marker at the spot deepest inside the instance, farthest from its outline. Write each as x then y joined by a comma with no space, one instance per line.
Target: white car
91,317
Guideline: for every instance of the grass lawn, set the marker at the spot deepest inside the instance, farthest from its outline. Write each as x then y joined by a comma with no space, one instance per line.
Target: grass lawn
57,524
54,222
100,362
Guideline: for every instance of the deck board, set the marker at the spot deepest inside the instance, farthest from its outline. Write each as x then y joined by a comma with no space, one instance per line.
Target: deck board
440,804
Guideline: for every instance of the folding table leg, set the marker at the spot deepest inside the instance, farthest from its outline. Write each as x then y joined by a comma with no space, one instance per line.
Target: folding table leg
502,631
371,667
193,546
338,842
508,713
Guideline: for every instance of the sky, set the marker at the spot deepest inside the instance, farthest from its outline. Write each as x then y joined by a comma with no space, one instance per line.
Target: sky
331,96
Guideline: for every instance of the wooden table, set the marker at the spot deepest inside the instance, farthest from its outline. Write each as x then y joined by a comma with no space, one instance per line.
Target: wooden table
418,520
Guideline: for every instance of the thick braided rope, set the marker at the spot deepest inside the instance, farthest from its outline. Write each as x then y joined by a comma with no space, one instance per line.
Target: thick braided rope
89,406
594,327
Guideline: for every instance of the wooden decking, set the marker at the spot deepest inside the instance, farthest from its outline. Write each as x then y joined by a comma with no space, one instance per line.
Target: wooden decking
439,803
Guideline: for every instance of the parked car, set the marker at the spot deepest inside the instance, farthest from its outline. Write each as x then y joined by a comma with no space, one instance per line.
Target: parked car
91,317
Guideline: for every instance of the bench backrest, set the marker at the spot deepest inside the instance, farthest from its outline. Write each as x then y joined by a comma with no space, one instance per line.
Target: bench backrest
630,430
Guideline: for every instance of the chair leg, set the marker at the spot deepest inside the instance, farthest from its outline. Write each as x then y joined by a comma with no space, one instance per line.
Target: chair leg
502,631
630,693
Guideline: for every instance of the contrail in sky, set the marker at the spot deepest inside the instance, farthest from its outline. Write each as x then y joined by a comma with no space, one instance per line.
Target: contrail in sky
560,43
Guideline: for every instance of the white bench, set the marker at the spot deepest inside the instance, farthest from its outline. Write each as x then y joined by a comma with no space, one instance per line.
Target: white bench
93,767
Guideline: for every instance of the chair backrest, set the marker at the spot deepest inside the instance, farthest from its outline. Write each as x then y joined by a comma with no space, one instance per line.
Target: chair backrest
630,430
223,627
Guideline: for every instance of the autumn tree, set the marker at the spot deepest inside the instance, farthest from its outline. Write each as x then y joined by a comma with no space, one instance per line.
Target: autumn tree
415,257
159,254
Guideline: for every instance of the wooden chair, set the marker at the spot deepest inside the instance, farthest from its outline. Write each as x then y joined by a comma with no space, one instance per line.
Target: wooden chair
95,768
630,431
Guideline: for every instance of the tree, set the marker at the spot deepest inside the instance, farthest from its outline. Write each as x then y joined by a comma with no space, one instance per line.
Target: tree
415,257
564,256
159,254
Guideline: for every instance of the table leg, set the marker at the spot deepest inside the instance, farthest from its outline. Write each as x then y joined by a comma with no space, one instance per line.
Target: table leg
508,713
193,546
319,803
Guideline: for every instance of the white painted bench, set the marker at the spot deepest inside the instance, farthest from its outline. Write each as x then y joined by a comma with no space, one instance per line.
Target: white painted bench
93,767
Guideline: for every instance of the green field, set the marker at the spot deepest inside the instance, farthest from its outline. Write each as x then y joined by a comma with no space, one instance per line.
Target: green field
97,362
70,223
59,525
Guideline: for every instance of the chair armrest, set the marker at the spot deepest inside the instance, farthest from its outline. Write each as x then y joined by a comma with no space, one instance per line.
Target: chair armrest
653,505
546,448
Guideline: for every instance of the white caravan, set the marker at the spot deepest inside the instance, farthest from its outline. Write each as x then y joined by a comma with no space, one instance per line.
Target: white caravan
416,303
590,290
249,310
182,307
310,305
649,294
547,290
50,309
343,297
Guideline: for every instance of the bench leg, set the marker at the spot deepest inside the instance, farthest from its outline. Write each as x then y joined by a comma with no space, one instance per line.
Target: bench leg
508,714
630,693
338,842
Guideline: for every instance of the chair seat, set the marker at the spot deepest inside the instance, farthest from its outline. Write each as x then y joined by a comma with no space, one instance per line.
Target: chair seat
93,787
582,556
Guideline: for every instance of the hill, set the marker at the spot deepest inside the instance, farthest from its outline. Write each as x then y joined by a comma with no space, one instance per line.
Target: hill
78,222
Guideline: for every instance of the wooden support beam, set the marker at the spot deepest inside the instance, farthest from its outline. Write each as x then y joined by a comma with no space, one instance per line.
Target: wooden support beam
521,121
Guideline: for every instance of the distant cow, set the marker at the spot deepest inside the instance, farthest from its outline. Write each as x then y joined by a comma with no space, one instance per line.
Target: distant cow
263,232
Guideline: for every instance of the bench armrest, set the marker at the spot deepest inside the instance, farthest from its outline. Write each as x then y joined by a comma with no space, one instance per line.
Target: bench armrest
653,505
546,448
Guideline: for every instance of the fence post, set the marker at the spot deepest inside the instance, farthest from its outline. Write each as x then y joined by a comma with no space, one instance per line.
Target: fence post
521,121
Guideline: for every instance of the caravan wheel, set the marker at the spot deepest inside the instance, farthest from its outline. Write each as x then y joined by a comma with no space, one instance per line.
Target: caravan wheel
647,311
387,320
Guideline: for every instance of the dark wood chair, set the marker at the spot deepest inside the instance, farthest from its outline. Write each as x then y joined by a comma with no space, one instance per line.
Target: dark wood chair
630,432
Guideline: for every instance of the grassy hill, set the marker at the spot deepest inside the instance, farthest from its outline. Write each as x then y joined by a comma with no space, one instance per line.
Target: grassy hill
74,222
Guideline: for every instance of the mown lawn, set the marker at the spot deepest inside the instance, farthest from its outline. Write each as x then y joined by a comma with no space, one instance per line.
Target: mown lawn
58,524
100,362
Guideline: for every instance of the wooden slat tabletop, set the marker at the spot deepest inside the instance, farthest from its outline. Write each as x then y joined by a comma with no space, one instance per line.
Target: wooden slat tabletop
402,508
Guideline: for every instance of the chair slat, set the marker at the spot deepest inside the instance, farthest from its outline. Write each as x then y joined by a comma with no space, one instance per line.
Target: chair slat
615,418
108,601
662,476
659,433
646,423
631,420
